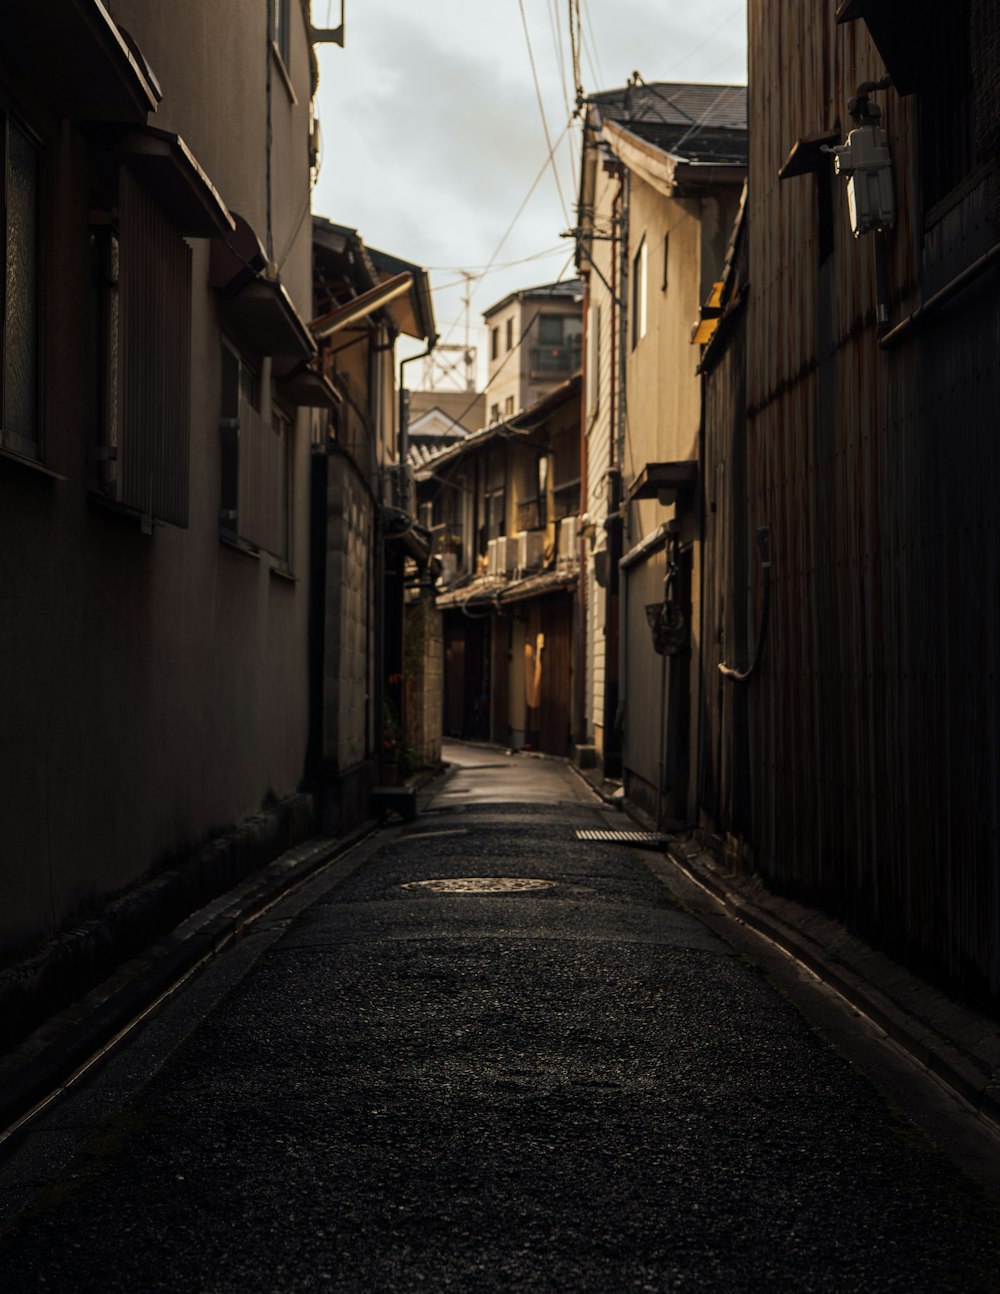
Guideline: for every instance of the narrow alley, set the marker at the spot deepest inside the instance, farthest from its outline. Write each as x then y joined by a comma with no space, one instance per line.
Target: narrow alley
479,1053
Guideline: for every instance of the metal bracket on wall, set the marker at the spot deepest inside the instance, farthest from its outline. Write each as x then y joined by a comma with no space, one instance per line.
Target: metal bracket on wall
329,35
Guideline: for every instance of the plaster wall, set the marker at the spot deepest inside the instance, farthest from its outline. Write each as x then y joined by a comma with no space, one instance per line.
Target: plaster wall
153,687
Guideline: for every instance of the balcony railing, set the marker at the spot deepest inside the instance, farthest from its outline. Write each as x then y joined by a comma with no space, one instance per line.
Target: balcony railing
555,359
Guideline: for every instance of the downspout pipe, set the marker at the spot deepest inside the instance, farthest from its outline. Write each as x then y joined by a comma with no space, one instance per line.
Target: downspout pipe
404,423
744,676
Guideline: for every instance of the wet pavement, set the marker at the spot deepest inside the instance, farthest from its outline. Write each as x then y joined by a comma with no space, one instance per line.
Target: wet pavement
486,1084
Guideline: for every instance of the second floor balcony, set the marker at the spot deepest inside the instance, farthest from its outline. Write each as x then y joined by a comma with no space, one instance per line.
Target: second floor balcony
561,360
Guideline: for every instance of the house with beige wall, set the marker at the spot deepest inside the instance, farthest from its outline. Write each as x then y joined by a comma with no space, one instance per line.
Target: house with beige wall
504,506
534,339
161,408
662,170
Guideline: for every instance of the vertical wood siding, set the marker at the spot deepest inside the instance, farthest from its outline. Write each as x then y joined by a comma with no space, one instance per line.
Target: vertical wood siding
874,721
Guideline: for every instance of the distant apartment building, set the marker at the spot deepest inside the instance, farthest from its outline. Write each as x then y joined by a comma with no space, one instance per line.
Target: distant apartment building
534,345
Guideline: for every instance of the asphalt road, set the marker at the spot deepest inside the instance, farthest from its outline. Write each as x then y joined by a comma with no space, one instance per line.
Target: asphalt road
570,1086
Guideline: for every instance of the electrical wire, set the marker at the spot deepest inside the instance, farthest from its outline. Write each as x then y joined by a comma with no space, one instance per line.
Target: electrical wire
507,358
591,47
516,217
541,110
741,6
560,52
481,271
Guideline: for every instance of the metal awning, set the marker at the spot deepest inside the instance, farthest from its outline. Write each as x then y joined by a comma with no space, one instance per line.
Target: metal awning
74,49
362,306
807,153
170,171
263,313
306,387
664,481
536,586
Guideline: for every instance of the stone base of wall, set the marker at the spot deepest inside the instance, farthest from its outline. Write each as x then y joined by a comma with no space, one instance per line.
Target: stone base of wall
67,967
345,799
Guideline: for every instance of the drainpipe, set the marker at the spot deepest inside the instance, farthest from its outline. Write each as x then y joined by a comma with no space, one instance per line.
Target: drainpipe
617,583
404,425
609,754
375,405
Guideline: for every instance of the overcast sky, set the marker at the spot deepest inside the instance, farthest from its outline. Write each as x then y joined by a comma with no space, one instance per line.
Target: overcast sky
433,136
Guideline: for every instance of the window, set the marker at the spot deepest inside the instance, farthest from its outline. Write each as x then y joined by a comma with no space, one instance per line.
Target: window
947,117
510,333
639,294
144,280
281,29
508,407
557,352
666,262
494,343
256,453
19,412
594,360
494,413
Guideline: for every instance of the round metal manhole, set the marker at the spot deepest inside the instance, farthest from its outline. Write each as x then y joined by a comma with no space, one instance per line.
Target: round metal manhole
480,884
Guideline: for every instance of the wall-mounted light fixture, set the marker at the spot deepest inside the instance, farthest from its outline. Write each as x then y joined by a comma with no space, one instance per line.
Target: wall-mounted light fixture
865,162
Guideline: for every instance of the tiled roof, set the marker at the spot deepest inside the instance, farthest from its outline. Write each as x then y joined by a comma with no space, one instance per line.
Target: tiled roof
701,123
567,290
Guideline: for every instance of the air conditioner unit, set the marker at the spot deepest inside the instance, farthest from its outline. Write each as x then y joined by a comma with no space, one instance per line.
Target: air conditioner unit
569,534
491,557
505,554
529,549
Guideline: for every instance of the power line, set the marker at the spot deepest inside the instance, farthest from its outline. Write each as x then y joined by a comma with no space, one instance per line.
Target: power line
560,51
517,214
713,33
541,109
524,260
513,351
591,47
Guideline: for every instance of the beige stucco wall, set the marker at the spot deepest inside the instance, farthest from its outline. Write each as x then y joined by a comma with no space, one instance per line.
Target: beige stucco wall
661,417
509,374
153,688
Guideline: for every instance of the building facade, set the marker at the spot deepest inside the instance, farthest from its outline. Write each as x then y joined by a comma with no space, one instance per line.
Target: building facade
535,335
153,466
662,170
504,509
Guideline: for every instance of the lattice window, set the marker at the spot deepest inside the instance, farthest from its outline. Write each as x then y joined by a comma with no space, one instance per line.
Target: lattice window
19,321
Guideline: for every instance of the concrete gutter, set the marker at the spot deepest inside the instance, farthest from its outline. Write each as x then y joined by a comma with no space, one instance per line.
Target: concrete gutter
70,1039
956,1043
959,1045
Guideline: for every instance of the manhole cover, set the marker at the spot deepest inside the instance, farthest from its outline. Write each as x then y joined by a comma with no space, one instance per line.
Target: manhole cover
480,884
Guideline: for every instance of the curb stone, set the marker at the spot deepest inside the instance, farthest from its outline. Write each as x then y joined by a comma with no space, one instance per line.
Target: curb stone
65,1042
957,1044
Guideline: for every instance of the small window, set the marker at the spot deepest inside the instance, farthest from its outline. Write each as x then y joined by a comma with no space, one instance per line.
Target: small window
508,407
494,343
494,413
281,29
510,334
19,174
666,262
256,460
947,108
639,266
550,330
144,280
594,360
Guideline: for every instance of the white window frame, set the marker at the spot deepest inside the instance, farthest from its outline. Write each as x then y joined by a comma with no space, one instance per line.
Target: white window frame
640,275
